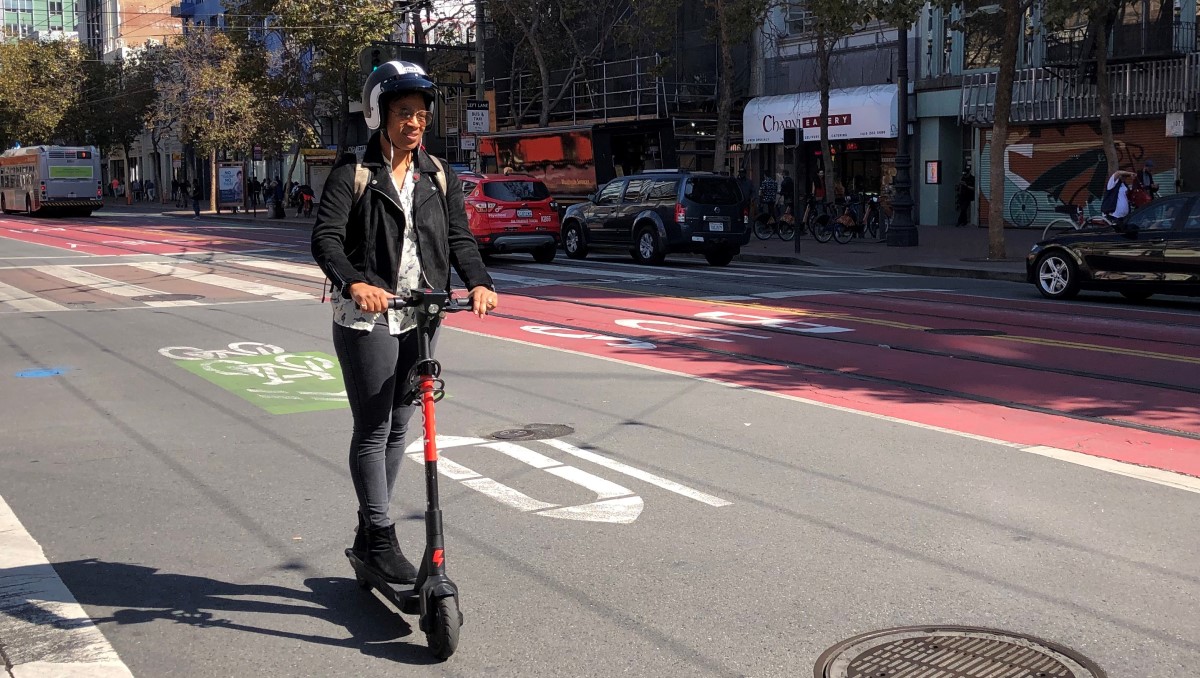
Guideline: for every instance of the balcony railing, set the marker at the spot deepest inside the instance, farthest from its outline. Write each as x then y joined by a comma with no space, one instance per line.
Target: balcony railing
1046,95
1127,41
630,89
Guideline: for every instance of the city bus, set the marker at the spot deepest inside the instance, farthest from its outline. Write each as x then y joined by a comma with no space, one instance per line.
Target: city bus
51,180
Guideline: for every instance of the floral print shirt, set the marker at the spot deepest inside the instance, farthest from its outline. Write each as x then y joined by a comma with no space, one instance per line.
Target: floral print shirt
347,314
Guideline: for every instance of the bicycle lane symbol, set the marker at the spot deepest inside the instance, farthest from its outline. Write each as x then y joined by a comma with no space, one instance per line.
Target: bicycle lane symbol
264,374
613,504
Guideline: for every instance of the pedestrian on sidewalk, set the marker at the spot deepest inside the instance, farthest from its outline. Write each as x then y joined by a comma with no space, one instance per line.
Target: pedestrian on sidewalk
254,189
768,190
197,193
1115,205
787,191
964,195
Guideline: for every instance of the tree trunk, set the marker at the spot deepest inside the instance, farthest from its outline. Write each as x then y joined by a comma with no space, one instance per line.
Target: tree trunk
1104,92
292,166
544,77
724,87
128,190
823,47
1003,110
212,184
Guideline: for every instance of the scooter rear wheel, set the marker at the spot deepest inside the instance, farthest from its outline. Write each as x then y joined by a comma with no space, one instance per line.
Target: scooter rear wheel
442,635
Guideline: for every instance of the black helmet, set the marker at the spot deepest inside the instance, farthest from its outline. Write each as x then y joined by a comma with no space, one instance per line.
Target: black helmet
394,77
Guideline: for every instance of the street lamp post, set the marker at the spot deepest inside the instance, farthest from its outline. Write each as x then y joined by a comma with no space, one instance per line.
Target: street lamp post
903,232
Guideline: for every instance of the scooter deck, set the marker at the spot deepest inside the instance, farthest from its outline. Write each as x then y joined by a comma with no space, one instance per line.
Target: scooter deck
403,596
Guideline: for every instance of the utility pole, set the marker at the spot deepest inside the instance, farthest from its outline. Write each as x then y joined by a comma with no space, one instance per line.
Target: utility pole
480,92
903,232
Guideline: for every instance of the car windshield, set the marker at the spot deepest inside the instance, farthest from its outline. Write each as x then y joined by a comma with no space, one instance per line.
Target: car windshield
516,190
712,191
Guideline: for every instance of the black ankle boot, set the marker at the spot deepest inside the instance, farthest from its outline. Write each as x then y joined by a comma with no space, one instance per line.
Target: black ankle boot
360,538
383,554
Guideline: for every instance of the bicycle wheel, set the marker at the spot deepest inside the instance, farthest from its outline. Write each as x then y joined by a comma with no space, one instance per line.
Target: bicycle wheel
872,224
762,229
841,234
787,230
1058,226
822,224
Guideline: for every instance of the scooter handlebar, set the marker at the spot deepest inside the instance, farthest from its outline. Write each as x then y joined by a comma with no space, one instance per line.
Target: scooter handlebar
432,302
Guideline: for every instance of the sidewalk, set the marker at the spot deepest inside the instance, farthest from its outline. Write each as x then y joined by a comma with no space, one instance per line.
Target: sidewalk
941,251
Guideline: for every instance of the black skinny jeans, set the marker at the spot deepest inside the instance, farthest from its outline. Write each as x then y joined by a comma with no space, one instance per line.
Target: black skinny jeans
375,368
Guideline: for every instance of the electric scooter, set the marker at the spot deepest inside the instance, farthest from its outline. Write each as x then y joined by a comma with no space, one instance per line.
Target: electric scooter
433,596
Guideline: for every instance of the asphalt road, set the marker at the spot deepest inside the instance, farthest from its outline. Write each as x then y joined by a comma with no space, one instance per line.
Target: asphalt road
762,461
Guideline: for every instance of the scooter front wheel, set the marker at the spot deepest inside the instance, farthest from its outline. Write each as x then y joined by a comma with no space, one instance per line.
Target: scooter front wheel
446,621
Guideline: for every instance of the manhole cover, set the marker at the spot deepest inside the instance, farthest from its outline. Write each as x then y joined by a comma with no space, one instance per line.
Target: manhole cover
951,652
968,332
167,297
534,432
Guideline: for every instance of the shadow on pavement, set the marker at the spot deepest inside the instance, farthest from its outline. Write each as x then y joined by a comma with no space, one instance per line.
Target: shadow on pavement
138,595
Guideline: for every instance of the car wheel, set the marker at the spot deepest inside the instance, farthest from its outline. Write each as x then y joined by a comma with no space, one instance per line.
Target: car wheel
1136,295
646,248
545,253
1057,275
573,242
720,257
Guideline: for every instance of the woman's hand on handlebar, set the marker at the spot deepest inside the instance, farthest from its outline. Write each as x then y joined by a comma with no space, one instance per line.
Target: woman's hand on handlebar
483,300
370,299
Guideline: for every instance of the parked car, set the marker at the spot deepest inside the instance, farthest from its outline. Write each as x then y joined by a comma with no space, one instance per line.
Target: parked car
659,212
1157,251
512,213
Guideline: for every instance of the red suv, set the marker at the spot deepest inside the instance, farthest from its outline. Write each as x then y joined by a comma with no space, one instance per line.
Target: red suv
512,213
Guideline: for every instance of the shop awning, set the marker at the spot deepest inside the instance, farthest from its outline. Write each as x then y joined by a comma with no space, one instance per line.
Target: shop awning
856,113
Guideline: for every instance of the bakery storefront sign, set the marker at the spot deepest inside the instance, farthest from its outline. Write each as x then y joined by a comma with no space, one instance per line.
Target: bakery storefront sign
856,113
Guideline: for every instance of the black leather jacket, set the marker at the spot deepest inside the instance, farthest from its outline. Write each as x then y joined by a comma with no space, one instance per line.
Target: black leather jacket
361,242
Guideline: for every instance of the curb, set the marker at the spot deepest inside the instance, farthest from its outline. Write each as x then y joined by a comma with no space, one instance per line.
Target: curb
951,272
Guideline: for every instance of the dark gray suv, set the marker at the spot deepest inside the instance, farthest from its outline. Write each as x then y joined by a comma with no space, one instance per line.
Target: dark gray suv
658,212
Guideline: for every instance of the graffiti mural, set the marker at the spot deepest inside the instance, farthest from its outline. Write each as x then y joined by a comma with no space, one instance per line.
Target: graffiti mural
1049,168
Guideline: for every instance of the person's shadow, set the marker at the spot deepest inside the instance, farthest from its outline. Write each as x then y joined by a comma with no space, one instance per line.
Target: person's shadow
142,594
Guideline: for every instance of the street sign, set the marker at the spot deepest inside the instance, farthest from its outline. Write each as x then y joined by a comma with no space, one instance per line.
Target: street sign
478,117
466,142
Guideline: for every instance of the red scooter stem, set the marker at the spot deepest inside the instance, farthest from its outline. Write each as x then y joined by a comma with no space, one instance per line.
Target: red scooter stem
427,411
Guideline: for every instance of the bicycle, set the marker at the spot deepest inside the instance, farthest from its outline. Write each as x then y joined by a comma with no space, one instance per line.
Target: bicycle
1075,221
816,220
763,228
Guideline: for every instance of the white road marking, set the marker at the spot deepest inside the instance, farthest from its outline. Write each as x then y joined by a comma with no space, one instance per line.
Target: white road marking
1170,479
789,294
308,270
43,629
657,481
585,270
76,276
246,286
522,280
21,300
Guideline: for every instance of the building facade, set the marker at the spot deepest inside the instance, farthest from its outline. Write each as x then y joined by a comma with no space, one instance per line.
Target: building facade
39,19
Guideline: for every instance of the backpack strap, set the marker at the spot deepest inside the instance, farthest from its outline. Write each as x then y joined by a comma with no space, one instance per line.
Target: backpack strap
440,178
362,176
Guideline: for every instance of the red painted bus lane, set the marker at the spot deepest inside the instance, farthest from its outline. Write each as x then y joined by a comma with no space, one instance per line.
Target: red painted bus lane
833,382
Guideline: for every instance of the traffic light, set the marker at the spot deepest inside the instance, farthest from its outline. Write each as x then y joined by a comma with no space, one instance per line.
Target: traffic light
372,57
376,58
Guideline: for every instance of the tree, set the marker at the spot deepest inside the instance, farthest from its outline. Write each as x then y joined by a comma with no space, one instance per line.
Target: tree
733,24
1009,15
39,84
557,35
215,110
832,20
1098,16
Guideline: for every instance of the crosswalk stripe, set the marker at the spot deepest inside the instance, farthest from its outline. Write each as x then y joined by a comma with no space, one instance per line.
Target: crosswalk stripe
308,270
585,270
100,283
21,300
246,286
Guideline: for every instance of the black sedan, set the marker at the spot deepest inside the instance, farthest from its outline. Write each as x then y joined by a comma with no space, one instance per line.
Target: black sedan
1157,251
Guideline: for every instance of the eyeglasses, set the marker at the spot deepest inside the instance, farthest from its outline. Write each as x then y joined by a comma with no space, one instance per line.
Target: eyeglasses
420,117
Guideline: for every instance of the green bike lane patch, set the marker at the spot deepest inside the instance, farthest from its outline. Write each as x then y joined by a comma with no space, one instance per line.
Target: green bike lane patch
278,381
